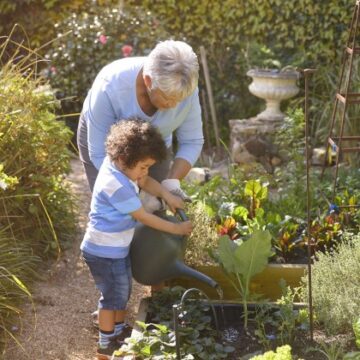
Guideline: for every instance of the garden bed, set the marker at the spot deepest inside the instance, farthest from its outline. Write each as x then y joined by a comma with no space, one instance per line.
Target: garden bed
244,341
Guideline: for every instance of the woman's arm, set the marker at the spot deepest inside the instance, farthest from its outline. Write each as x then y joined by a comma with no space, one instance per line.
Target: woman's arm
152,187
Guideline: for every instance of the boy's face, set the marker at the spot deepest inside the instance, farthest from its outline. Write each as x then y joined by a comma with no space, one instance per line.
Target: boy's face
139,170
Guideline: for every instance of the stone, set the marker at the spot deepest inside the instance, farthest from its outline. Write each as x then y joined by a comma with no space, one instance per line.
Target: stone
251,140
198,175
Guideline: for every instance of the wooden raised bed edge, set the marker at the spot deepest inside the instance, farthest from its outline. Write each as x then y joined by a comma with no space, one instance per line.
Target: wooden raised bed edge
266,283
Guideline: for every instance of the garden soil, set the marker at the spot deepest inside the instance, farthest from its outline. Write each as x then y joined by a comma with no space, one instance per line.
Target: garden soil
58,324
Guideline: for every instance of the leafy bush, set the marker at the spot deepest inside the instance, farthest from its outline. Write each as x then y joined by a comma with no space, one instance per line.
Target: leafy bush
228,30
97,37
36,18
281,353
335,290
37,211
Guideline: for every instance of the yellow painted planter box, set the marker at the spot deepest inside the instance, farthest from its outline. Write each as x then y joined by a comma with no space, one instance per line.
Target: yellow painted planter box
266,283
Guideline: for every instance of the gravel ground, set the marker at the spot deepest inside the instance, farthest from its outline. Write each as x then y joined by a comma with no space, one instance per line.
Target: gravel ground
57,326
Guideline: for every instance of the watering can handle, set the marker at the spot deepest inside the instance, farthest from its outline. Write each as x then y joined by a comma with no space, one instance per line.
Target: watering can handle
182,214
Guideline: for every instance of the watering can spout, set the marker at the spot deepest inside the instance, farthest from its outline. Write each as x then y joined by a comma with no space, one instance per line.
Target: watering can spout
183,270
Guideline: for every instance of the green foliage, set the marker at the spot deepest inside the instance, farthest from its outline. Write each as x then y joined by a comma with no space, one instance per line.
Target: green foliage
36,18
17,268
281,353
157,341
36,206
33,149
306,33
91,40
356,328
244,260
335,279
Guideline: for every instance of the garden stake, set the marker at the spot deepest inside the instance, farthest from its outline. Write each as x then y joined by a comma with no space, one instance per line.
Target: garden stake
176,329
307,73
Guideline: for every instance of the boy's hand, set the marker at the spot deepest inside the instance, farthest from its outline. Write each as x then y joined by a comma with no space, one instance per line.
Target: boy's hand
185,228
173,202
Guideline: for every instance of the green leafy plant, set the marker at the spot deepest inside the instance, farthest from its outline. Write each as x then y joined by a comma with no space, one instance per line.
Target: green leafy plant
335,275
157,340
356,328
331,351
36,205
278,323
281,353
243,260
287,318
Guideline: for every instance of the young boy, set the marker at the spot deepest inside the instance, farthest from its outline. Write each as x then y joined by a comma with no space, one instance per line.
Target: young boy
131,147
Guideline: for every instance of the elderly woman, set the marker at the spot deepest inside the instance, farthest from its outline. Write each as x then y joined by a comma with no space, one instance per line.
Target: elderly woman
160,88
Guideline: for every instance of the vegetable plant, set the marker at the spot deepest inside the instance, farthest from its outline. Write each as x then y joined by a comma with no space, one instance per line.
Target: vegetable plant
242,260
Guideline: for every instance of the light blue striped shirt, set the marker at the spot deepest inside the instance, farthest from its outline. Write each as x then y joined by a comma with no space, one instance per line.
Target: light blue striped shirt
111,227
112,97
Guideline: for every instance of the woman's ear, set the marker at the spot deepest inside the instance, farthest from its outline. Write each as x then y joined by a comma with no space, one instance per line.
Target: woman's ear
147,81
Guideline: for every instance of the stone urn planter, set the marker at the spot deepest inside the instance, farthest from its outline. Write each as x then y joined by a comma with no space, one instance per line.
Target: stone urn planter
273,86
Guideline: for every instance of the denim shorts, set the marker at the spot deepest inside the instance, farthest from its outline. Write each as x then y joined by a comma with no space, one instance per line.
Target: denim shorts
112,278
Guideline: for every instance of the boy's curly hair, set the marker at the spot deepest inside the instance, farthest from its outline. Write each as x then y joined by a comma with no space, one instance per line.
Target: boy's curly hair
134,140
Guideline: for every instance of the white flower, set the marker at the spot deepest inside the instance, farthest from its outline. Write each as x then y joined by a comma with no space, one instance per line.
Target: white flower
3,185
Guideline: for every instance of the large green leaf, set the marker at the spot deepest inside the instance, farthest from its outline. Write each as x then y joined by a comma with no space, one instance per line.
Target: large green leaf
226,254
247,259
252,255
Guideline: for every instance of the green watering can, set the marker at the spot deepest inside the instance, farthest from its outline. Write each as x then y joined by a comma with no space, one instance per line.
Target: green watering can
157,256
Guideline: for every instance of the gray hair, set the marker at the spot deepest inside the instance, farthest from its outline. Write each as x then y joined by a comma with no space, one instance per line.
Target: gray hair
173,68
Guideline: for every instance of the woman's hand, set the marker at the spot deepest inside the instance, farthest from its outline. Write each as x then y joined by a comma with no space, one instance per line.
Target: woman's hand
174,202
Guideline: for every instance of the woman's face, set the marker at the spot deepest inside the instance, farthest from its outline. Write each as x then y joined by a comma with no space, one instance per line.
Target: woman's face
161,100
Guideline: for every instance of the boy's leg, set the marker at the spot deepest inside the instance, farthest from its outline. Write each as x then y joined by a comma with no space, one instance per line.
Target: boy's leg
123,330
102,271
107,320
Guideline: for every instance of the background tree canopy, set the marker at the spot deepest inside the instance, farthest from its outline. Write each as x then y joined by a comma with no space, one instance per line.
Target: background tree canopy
235,33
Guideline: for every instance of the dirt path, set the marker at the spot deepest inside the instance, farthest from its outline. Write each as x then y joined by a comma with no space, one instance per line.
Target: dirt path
60,328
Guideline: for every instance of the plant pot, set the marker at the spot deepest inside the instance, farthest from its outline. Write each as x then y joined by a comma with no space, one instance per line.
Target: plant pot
266,283
273,86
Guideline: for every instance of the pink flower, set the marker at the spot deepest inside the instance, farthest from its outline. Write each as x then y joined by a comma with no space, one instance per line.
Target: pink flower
126,50
103,39
53,70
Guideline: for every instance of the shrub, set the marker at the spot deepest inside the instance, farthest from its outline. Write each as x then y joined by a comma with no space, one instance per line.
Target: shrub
36,206
97,37
36,18
228,29
282,353
335,285
33,149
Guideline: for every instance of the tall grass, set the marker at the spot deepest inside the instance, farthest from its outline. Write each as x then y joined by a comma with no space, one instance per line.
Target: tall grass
37,214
